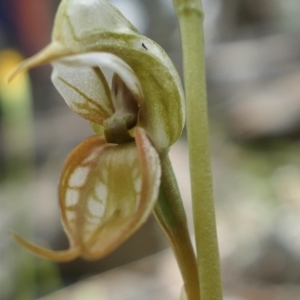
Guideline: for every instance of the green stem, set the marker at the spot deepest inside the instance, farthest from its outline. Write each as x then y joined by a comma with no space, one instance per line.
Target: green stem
170,214
190,17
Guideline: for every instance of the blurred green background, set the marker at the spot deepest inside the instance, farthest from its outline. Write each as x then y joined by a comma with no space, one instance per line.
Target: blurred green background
253,79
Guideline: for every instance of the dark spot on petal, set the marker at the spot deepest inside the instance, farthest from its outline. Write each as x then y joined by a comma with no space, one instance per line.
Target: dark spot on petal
144,46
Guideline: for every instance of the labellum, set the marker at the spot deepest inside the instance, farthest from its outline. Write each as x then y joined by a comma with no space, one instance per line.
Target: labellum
106,192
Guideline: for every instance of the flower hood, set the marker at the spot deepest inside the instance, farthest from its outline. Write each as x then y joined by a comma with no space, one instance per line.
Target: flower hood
90,36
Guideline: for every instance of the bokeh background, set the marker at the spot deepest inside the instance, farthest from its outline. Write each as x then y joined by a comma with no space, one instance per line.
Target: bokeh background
253,79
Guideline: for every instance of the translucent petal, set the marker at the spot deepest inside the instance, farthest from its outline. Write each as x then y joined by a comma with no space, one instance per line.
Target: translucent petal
117,196
106,193
101,60
85,90
144,173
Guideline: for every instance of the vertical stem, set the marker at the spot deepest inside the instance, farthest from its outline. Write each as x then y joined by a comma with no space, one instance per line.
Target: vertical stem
190,17
170,215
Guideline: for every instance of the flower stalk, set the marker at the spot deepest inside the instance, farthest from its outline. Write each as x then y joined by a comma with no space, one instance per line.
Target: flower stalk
190,15
170,215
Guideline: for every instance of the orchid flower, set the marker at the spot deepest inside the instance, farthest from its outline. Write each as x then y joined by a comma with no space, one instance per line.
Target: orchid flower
126,86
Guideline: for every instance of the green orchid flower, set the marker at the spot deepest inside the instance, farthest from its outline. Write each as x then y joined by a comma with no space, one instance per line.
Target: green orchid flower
126,86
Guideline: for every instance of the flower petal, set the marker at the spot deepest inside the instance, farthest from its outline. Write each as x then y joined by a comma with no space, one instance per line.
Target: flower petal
85,90
80,81
109,61
146,182
107,191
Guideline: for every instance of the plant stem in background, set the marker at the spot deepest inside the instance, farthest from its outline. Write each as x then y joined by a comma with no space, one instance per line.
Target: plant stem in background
170,214
190,17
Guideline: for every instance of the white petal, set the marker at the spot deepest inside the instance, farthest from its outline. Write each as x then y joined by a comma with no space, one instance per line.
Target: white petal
110,61
85,90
